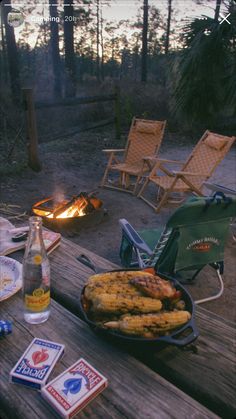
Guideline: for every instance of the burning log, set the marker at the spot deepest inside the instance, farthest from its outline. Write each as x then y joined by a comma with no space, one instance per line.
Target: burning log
64,207
78,206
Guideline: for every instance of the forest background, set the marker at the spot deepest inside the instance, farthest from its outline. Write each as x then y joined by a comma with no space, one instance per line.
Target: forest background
165,63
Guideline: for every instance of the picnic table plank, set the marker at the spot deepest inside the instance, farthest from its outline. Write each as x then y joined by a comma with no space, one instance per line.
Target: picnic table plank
213,356
207,373
134,390
206,368
69,275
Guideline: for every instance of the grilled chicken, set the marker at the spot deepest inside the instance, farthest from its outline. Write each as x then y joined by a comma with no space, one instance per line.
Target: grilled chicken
154,286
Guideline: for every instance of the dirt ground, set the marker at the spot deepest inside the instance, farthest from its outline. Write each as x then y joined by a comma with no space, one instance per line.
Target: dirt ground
77,164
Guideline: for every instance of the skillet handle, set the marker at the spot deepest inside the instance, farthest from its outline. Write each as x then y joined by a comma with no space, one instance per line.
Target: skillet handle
185,340
87,262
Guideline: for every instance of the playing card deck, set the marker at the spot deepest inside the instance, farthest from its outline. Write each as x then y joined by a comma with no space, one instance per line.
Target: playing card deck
69,392
72,390
36,364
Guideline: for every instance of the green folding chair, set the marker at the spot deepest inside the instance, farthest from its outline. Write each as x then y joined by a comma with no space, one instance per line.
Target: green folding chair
193,237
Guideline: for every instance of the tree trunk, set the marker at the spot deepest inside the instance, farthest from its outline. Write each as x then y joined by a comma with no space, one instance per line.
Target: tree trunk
144,42
56,61
102,45
12,54
31,126
70,65
3,73
168,28
217,10
98,43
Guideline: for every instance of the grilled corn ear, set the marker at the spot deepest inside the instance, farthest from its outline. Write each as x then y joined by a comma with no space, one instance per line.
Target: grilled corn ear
123,276
93,290
149,325
113,303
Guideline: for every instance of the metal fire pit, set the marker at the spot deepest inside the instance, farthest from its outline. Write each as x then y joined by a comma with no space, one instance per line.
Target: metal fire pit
93,213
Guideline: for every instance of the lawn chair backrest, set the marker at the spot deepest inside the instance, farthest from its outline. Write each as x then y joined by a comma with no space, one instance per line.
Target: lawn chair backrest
144,139
199,230
205,157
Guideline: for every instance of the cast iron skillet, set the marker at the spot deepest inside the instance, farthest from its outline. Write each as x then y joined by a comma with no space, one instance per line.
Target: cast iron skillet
179,337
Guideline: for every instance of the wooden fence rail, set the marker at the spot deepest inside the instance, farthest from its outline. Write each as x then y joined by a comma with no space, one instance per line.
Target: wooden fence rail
75,101
30,106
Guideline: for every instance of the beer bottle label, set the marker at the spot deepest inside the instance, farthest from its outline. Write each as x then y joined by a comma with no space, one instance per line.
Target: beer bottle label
39,300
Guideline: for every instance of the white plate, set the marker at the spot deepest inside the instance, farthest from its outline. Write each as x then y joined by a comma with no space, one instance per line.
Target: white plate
10,277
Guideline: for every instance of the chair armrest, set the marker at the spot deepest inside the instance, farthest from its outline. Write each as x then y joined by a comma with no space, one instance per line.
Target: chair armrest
171,161
159,164
113,150
150,158
134,237
180,173
150,161
215,188
156,159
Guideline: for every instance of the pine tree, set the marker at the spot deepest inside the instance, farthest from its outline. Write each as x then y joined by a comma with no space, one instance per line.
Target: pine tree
56,61
70,64
144,42
12,54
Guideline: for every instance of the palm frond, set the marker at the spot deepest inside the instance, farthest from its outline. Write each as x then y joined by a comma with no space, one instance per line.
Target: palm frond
204,71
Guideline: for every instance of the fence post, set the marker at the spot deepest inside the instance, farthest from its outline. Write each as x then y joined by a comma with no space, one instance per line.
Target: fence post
117,111
31,128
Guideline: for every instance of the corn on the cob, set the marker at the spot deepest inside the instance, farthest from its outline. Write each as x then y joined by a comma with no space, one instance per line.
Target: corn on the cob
149,325
154,286
123,276
93,290
116,303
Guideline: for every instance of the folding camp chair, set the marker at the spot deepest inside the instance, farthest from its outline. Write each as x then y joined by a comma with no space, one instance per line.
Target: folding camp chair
144,139
205,157
193,237
214,187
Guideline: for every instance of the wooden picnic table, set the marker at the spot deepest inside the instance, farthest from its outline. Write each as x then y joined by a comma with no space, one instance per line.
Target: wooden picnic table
198,381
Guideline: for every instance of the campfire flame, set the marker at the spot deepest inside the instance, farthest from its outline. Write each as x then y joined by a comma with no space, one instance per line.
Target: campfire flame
74,210
77,207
